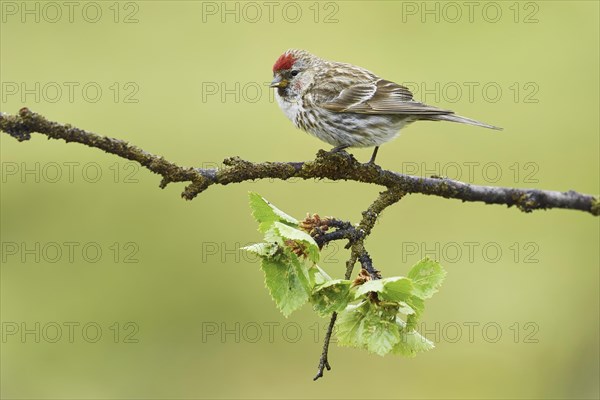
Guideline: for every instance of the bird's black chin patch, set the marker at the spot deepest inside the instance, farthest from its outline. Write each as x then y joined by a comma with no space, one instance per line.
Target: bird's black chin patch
283,91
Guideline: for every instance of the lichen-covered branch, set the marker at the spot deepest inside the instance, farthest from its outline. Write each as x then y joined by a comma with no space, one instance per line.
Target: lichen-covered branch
334,166
329,165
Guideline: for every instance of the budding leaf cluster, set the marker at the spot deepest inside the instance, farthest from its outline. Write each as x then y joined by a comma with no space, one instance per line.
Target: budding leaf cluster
379,315
386,323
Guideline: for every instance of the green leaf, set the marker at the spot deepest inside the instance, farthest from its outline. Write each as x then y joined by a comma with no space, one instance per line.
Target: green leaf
427,276
331,296
390,289
405,309
262,249
411,342
348,325
397,289
368,326
266,213
379,335
317,275
369,286
287,281
310,246
417,304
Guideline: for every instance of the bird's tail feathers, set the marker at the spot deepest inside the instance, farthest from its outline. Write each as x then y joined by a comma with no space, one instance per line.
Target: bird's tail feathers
461,120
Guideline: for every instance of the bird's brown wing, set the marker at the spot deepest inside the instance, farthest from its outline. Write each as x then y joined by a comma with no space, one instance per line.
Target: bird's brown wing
380,97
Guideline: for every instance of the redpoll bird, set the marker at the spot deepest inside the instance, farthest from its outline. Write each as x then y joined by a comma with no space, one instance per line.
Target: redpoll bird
348,106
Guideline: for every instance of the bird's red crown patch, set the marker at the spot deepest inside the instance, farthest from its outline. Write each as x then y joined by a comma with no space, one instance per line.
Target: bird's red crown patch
285,61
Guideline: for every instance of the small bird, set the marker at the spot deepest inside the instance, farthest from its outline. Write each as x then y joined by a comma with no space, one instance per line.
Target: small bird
348,106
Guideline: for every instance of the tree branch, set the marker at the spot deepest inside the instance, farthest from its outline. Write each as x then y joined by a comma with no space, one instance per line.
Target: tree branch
334,166
330,165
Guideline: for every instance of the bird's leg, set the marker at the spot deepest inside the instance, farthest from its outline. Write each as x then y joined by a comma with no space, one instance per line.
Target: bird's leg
372,160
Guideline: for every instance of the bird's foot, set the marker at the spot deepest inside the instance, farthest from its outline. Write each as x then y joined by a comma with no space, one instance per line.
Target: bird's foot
337,149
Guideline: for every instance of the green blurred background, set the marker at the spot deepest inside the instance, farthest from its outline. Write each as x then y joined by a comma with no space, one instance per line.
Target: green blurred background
185,80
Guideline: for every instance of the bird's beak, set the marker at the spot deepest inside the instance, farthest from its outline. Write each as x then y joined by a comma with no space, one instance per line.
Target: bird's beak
278,81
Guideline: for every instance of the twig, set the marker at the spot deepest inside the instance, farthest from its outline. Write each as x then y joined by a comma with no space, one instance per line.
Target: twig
370,216
323,361
334,166
358,252
367,264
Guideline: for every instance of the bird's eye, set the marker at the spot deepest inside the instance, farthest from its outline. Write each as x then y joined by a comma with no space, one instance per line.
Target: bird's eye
294,72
